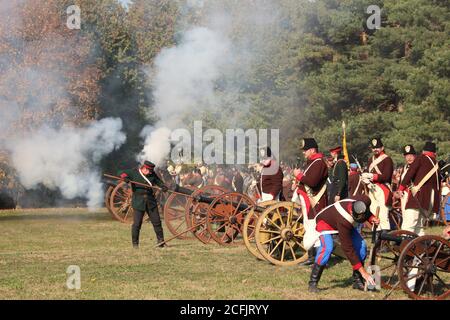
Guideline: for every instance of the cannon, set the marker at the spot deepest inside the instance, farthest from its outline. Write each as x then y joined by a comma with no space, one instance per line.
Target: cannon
201,212
227,218
419,265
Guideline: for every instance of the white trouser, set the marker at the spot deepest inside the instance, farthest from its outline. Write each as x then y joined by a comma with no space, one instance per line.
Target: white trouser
377,199
413,221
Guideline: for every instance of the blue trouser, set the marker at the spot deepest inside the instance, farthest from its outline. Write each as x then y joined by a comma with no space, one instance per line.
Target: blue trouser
323,253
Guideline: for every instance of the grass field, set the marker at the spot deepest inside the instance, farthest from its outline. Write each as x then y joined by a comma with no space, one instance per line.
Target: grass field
37,246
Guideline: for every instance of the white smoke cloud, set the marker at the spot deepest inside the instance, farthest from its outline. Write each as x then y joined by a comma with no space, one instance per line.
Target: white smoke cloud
67,158
184,82
156,144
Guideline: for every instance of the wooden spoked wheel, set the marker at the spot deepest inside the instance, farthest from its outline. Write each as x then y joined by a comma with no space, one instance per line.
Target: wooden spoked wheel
225,217
395,218
196,212
248,230
386,255
279,234
424,268
161,199
175,214
120,203
107,198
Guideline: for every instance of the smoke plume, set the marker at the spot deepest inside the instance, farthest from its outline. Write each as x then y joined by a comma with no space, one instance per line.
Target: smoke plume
207,69
66,159
184,78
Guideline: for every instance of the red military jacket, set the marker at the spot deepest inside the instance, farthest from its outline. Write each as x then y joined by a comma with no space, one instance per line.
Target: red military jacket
315,177
330,219
355,185
416,172
383,176
272,183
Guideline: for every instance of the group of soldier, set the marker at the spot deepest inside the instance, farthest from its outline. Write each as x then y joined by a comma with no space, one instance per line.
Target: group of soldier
334,199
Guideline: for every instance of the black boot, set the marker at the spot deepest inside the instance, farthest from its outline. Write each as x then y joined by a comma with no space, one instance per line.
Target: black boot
358,280
316,273
135,237
159,235
161,243
311,257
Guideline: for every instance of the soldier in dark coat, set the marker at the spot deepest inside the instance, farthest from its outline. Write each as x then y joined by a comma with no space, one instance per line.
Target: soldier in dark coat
143,200
422,183
338,176
238,181
340,219
355,185
311,192
378,179
312,180
271,181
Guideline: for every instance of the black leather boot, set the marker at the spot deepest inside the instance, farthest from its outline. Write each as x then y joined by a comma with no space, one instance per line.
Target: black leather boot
316,273
311,257
135,237
358,280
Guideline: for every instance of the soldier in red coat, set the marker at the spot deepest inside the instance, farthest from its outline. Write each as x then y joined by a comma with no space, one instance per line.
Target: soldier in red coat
378,180
340,218
271,181
422,185
311,191
355,185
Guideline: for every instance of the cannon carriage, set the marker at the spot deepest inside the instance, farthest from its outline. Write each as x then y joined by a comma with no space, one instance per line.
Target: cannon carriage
419,265
213,213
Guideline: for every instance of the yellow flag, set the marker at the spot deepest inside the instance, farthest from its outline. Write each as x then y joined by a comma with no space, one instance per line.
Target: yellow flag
344,145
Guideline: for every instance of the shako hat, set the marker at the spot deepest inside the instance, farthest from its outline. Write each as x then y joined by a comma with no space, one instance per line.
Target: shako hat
308,143
376,143
430,146
409,149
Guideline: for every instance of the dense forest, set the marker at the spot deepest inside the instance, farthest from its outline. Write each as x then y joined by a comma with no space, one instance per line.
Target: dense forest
302,66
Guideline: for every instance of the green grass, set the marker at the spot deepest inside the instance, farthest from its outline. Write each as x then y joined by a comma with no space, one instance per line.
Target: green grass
37,246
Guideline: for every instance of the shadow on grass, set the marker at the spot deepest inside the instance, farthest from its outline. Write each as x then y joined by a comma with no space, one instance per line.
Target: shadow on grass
57,216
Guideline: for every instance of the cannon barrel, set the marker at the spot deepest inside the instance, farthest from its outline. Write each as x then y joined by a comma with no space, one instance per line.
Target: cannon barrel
209,200
397,239
188,192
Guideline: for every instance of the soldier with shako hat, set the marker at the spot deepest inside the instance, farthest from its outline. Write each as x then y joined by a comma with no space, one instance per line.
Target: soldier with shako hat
338,176
378,178
311,191
409,153
143,200
421,184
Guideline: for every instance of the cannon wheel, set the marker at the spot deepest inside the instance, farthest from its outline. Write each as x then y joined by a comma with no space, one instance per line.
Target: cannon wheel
196,212
174,214
279,234
107,198
386,256
425,261
120,203
248,230
225,219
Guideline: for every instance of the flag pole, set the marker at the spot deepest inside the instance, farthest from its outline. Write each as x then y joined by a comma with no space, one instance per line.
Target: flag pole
344,145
